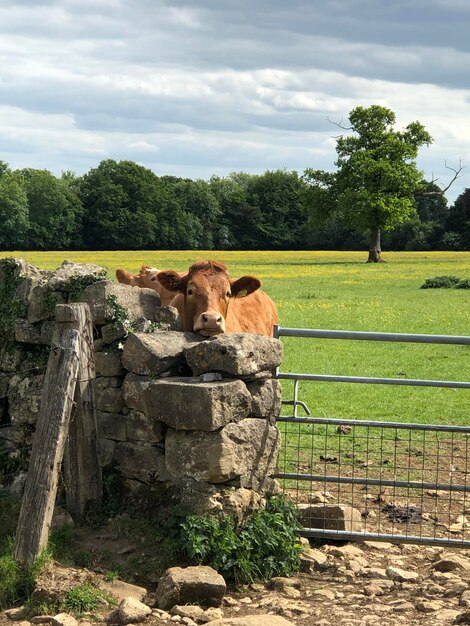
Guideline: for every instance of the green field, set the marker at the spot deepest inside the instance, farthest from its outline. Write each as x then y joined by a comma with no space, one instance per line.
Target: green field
337,290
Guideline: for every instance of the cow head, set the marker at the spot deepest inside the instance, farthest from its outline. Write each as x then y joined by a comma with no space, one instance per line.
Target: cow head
207,291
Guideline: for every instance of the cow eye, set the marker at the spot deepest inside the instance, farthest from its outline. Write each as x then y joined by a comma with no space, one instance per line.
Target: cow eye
190,292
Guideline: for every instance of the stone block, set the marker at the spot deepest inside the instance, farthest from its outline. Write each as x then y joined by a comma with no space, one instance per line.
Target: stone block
42,302
106,451
331,517
238,354
112,426
104,295
110,400
201,498
113,332
19,435
131,611
155,353
108,364
104,382
140,428
25,394
26,332
168,318
188,404
134,387
119,590
190,585
246,451
266,398
144,463
70,275
11,359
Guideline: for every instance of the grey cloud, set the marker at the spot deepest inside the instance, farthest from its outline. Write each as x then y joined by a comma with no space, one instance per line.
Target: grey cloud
85,60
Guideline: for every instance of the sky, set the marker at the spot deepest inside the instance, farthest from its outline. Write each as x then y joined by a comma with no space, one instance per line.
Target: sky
215,86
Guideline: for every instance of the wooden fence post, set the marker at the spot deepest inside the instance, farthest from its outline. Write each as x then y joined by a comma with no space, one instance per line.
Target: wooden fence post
68,383
82,471
40,490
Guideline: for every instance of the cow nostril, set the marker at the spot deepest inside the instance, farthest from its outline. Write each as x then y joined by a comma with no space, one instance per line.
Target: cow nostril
204,318
219,319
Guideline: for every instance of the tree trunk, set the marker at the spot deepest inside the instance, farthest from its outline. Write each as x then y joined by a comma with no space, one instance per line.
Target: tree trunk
375,252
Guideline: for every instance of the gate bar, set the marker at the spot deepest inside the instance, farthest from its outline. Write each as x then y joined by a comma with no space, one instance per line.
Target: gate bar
410,382
360,423
346,480
369,336
343,535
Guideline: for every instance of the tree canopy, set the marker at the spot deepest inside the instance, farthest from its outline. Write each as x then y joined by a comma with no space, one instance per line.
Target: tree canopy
377,178
123,205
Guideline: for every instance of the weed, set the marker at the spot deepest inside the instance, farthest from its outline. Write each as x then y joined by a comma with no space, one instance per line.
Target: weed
114,574
84,598
83,558
16,580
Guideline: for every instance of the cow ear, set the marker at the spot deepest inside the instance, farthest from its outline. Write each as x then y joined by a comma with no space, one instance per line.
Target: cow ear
171,280
244,286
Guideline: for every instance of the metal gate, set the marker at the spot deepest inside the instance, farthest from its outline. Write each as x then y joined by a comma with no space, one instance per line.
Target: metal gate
376,480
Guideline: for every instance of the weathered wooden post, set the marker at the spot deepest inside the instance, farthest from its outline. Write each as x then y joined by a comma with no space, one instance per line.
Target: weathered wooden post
68,383
82,471
47,452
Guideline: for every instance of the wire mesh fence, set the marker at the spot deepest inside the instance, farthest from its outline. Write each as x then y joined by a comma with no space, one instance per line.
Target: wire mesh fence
375,479
406,481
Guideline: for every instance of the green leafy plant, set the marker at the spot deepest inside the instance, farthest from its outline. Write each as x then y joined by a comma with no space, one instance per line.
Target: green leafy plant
266,545
463,284
120,313
77,283
440,282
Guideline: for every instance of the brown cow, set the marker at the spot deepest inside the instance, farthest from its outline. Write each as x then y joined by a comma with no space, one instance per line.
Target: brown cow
210,303
147,277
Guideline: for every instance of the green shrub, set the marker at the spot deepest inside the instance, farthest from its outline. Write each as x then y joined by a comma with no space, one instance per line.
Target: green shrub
266,545
463,284
440,282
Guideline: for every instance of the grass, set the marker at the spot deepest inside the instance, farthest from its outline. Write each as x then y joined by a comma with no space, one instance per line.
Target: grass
337,290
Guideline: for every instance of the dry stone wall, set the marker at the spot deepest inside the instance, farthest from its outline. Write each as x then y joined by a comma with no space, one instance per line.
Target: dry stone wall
187,419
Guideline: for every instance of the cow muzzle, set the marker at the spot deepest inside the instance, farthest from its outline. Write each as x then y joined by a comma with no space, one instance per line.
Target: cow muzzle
209,324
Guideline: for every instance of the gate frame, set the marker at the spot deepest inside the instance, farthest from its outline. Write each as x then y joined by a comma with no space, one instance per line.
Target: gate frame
280,331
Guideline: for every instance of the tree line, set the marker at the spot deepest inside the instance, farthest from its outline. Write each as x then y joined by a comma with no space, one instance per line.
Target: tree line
123,205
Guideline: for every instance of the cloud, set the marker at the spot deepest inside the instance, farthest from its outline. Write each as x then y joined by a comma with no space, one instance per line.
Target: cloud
199,88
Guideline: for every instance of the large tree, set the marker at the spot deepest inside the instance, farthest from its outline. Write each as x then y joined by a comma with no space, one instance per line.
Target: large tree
377,179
